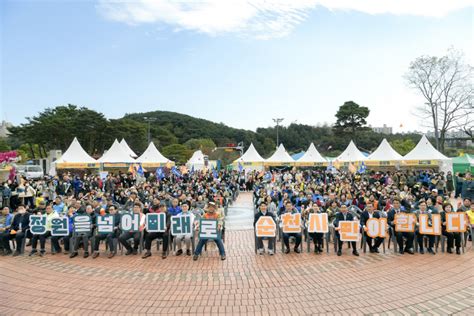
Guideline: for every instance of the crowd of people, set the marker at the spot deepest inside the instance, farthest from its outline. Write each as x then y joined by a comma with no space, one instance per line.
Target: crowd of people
202,195
344,196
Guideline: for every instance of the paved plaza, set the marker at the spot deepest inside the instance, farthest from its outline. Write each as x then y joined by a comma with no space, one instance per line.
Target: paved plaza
294,284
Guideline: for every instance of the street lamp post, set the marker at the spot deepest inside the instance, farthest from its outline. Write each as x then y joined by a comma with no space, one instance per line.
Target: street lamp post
278,121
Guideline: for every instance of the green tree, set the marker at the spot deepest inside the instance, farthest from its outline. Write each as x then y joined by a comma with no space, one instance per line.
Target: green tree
403,146
4,145
205,144
351,117
180,154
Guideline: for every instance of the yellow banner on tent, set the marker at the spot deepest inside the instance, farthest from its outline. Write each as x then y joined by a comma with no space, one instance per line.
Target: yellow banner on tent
73,165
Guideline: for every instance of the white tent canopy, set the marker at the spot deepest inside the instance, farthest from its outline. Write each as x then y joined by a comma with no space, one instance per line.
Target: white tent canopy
196,161
152,155
127,148
280,156
251,155
75,154
385,152
351,153
311,155
116,154
424,151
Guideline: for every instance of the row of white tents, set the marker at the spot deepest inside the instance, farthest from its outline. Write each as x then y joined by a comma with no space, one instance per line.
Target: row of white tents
118,155
424,154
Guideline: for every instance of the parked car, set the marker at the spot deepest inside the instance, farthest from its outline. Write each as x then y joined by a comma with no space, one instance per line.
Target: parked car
30,171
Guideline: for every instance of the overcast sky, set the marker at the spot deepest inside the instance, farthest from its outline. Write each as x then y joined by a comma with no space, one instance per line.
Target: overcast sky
237,62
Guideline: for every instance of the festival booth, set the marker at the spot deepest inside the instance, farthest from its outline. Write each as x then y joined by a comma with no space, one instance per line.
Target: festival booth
127,149
152,158
311,158
463,163
424,155
250,160
197,161
384,156
75,157
279,158
349,157
116,157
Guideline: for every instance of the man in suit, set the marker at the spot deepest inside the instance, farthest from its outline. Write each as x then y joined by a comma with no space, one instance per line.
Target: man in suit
344,215
366,215
423,209
396,209
271,240
286,236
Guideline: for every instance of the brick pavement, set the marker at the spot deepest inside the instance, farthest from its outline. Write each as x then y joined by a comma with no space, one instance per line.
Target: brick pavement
294,284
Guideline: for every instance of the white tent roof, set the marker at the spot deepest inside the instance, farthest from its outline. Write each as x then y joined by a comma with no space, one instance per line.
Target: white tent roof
196,158
76,154
312,155
280,155
251,155
116,154
351,153
127,148
425,151
152,154
385,152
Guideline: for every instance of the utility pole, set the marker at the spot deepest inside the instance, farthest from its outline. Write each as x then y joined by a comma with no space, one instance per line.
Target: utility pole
278,121
149,120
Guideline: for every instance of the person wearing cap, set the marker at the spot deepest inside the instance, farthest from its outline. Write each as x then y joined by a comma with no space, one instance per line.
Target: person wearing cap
109,236
150,236
423,209
396,209
187,238
263,211
344,215
452,237
211,213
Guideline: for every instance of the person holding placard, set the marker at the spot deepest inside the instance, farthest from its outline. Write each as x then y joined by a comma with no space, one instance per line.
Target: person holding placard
135,234
344,215
110,236
409,234
50,214
316,237
211,213
289,209
452,237
150,236
271,240
423,209
187,238
365,216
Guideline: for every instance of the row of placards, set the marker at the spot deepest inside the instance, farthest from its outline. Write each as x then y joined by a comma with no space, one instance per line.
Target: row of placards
349,230
153,222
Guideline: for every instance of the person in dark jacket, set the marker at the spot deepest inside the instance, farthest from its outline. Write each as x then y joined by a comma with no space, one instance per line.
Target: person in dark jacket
423,209
344,215
453,238
396,209
109,236
467,191
271,241
84,237
150,236
365,216
20,228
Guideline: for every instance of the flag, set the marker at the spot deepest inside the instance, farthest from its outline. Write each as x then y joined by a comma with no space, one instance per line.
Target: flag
131,169
362,167
214,172
168,165
192,169
352,168
240,167
140,170
218,165
175,171
159,173
268,176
